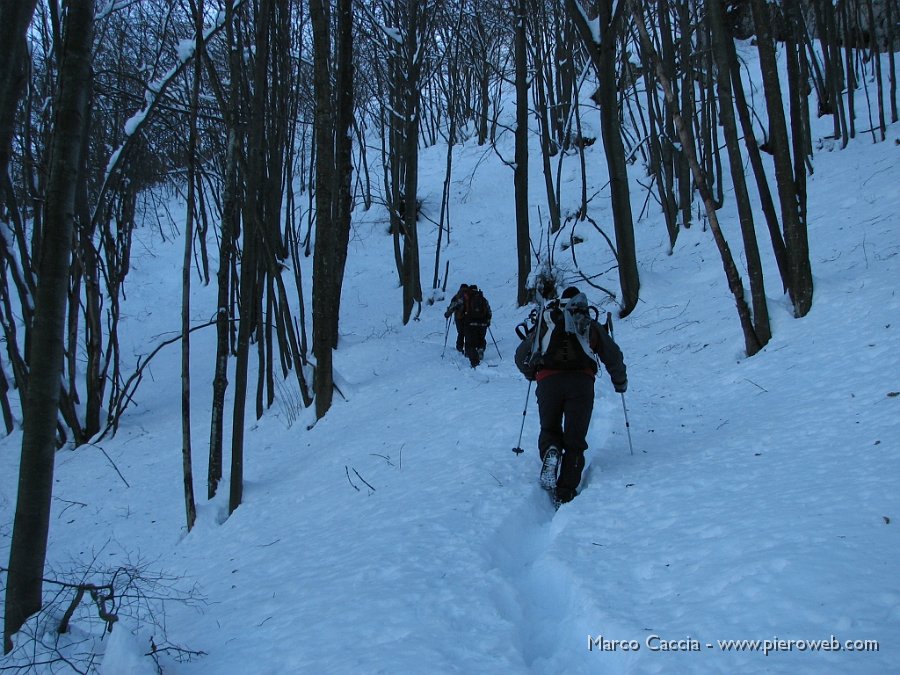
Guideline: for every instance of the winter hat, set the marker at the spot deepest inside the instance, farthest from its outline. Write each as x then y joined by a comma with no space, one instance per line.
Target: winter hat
567,295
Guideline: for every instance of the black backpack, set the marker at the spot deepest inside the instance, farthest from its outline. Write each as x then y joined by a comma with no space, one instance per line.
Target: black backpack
564,351
476,306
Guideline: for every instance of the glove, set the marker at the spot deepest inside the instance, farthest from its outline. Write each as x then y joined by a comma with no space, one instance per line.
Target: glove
620,387
447,314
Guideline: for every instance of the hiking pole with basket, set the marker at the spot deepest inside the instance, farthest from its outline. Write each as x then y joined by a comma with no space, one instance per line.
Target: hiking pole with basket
534,351
609,329
518,449
446,335
491,333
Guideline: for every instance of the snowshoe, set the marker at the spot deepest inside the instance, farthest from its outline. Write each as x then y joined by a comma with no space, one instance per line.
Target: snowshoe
549,469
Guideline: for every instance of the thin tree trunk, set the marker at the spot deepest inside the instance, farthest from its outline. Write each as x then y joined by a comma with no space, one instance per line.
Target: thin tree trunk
890,38
758,339
685,185
343,149
253,236
792,203
520,170
848,64
603,55
876,58
547,142
15,17
325,246
731,271
230,226
765,195
190,506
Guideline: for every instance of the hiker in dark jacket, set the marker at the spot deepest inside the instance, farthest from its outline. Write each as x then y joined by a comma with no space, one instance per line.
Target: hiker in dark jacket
477,321
559,354
458,309
472,314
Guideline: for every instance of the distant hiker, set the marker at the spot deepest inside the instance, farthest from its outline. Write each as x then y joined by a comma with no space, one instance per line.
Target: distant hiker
477,321
472,314
458,309
559,354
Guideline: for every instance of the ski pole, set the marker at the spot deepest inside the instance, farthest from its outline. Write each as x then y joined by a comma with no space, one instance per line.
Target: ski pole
627,425
446,335
491,333
609,328
518,449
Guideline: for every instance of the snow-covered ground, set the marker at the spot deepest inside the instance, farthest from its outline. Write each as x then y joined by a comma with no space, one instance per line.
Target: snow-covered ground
401,534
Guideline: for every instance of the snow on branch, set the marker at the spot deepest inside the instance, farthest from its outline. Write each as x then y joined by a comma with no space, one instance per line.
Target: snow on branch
154,92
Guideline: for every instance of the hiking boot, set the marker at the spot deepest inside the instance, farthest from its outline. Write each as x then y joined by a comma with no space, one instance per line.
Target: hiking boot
550,467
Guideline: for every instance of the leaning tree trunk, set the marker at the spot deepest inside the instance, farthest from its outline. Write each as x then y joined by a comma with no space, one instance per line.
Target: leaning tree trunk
767,204
731,271
762,330
32,521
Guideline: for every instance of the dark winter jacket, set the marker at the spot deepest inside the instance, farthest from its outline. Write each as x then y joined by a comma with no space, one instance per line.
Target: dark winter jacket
556,351
457,305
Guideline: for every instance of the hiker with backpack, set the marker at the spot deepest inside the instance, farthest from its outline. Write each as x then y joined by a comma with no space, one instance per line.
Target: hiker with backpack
477,321
472,314
458,309
560,353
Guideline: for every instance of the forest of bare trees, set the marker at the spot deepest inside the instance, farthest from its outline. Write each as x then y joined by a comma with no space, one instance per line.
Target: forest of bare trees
272,121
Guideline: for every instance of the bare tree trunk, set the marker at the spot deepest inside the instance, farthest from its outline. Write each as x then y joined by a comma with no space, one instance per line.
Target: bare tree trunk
444,219
190,507
685,184
230,226
343,149
254,235
890,37
795,237
326,242
520,171
759,172
32,521
603,55
731,271
548,143
8,421
762,331
413,55
848,64
15,17
876,59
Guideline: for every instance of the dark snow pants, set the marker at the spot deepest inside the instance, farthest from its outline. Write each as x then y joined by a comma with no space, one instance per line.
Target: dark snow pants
475,342
460,334
565,403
